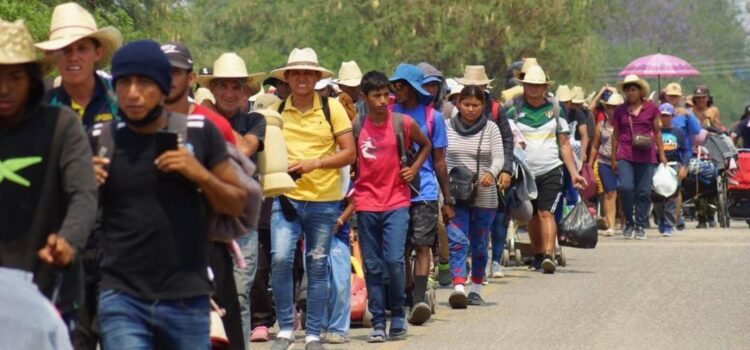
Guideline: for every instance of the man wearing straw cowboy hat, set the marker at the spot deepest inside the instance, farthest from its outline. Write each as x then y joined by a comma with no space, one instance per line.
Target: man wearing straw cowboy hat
313,130
47,184
83,48
350,77
543,125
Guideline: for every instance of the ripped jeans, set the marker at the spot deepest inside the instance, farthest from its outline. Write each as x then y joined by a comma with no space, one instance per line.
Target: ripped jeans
316,221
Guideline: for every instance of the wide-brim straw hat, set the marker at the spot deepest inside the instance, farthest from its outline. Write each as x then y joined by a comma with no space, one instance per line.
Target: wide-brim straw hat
17,47
614,100
536,76
230,66
349,74
474,75
71,22
563,93
578,95
673,89
634,79
302,59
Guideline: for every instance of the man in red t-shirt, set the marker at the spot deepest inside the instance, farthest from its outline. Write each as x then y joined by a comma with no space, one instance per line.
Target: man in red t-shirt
382,197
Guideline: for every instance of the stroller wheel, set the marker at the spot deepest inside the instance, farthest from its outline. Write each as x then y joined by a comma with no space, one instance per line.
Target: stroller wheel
505,259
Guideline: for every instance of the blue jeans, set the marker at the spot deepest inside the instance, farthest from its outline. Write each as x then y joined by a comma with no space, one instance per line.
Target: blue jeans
316,221
499,235
339,307
635,185
382,237
469,231
244,277
127,322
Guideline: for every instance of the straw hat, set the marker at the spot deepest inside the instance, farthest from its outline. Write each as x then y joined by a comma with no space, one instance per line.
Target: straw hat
349,74
673,89
203,94
536,76
563,93
71,22
455,90
634,79
302,59
528,62
17,46
614,100
230,66
474,75
265,101
578,95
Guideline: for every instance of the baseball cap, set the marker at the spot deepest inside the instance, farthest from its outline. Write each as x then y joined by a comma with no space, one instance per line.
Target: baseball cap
673,89
666,108
179,55
701,91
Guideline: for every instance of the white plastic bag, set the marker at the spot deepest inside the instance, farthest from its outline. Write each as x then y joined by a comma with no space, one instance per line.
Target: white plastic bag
665,182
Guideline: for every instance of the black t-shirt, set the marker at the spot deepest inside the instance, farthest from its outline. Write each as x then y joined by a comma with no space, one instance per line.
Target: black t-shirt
154,237
742,130
252,123
581,117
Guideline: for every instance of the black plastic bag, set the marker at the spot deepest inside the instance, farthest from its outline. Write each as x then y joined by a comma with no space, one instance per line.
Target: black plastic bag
578,229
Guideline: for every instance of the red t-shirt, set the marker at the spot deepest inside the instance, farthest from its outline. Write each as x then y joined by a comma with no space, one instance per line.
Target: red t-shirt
378,187
220,122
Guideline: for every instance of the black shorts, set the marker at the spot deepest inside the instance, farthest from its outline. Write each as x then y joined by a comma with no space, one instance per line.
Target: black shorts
549,187
423,219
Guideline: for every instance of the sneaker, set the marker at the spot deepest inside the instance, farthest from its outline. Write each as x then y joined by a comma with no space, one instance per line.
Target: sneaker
398,329
609,232
712,224
497,270
420,314
474,299
680,226
333,338
314,345
536,265
548,265
701,224
457,300
282,344
260,335
444,275
640,233
627,232
377,336
667,232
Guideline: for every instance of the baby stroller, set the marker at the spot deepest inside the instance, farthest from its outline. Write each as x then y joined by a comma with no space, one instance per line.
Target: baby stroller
738,188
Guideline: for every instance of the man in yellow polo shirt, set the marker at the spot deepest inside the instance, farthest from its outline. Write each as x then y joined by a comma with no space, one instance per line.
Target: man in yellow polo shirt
319,142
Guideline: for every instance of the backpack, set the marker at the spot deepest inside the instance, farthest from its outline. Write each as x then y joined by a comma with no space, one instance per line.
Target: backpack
405,156
429,116
222,228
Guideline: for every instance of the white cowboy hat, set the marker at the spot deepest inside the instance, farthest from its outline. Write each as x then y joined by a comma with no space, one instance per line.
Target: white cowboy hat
634,79
202,94
474,75
302,59
71,22
578,95
615,100
17,46
536,76
230,66
563,93
349,74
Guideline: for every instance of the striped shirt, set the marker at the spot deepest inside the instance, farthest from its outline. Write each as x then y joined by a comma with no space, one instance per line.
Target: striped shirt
462,150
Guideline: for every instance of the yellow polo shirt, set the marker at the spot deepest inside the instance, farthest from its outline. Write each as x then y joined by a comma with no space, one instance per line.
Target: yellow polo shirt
308,136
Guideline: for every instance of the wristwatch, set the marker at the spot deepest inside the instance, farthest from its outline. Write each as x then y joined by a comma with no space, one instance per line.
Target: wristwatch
449,201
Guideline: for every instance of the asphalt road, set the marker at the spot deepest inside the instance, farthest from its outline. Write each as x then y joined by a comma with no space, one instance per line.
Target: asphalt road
690,291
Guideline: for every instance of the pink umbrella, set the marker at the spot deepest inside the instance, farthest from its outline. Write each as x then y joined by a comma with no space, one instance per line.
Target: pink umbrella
659,65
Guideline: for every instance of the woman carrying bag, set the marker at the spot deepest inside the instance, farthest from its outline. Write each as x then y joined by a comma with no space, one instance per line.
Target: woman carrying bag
636,139
474,158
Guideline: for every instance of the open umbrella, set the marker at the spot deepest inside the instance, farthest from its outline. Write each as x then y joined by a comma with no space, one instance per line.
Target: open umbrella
659,65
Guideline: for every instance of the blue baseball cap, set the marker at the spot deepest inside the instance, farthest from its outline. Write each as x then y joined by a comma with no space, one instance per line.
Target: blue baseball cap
666,108
412,75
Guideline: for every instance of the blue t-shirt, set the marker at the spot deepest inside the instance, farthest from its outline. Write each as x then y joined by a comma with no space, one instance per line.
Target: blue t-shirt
428,190
690,127
675,145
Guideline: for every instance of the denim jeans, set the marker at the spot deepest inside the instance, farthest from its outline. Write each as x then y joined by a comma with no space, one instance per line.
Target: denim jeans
127,322
635,185
337,316
499,235
469,231
245,277
382,236
316,221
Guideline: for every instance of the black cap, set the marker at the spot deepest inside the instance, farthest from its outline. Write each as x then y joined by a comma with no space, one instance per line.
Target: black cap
179,55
